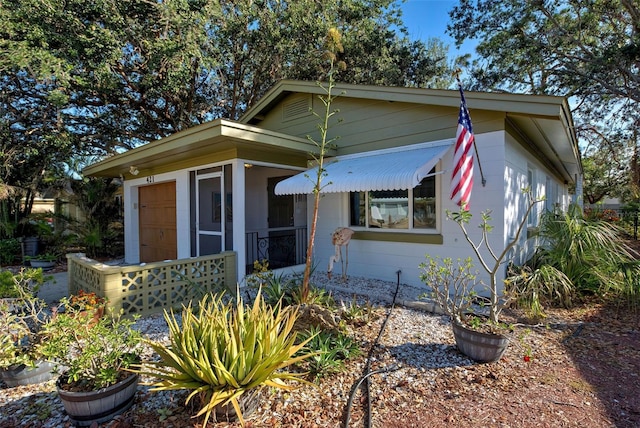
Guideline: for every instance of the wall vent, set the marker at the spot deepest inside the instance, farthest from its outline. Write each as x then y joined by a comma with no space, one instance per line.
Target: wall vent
298,107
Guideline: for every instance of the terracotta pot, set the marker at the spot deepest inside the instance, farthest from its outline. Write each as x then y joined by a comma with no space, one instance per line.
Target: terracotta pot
25,375
481,347
85,408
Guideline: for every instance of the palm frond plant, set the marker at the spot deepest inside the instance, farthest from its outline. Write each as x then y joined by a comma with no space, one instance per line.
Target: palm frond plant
534,288
590,252
224,351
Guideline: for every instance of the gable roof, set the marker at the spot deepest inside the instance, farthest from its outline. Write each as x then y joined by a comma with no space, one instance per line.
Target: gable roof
542,123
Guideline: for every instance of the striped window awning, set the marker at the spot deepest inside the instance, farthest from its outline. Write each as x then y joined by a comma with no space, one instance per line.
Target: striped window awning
397,169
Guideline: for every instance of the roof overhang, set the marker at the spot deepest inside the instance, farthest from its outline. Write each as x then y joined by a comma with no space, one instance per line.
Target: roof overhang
217,140
552,138
380,170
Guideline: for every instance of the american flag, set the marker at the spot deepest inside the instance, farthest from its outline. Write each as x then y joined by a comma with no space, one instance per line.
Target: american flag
462,175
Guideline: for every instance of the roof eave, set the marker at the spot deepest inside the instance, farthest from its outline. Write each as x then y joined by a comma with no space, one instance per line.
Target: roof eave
219,134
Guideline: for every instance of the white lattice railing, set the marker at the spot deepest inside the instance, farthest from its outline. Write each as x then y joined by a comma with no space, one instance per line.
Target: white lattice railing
148,288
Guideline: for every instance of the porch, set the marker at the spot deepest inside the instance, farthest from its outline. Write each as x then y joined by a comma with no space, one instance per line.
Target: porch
280,247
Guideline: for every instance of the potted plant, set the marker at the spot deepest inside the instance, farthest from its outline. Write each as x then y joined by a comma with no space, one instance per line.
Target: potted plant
22,315
97,354
45,261
226,353
453,288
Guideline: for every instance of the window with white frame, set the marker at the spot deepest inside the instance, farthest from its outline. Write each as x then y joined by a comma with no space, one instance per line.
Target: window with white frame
412,209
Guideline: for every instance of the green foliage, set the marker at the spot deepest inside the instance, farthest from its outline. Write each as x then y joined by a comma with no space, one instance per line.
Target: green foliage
147,80
606,172
275,288
357,314
590,253
329,351
451,285
589,53
94,349
45,257
24,284
9,250
222,351
533,289
100,232
316,296
7,285
591,45
22,317
285,288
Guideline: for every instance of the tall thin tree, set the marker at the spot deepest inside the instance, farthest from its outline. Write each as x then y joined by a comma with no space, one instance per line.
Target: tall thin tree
333,46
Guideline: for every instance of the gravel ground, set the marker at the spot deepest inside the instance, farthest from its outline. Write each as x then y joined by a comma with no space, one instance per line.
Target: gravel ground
39,406
578,368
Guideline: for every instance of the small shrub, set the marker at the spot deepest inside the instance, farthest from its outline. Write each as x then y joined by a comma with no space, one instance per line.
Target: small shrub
316,296
589,252
329,351
20,324
356,314
9,251
94,350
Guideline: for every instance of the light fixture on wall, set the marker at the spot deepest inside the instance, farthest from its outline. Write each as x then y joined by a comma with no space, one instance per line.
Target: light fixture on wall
134,170
248,165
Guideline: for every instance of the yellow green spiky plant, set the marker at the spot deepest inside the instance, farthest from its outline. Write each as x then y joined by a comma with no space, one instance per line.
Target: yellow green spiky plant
222,351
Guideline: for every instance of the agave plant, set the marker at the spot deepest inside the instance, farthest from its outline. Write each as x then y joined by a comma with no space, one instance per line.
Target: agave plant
222,351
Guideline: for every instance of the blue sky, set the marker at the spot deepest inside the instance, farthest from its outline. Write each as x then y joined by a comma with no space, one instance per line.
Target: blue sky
429,18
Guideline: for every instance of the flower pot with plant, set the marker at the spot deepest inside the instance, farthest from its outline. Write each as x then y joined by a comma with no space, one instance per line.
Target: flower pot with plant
97,354
226,353
453,288
46,261
22,316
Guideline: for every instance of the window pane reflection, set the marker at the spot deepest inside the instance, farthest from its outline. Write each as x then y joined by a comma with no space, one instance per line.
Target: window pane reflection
389,208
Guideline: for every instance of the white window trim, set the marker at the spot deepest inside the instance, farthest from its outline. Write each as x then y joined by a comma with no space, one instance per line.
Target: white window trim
410,229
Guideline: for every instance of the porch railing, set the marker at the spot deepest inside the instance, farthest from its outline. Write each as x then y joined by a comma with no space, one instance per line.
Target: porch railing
151,287
280,247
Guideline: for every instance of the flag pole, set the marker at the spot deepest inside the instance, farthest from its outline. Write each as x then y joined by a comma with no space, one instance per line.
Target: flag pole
456,73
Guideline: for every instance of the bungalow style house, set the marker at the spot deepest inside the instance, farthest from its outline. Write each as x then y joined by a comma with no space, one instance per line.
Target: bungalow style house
241,186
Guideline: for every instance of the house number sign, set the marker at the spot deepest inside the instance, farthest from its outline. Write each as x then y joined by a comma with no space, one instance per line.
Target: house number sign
151,179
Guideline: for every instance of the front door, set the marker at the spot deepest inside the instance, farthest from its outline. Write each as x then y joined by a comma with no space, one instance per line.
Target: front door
157,221
282,235
210,206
